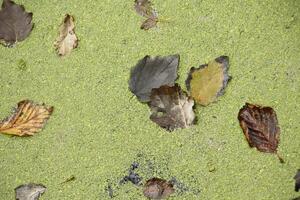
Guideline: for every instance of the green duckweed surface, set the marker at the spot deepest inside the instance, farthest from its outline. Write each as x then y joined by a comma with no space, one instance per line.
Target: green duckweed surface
97,129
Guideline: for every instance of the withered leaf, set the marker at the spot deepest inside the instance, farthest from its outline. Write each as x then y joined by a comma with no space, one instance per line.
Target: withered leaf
149,23
67,39
29,191
157,188
208,81
260,127
297,181
153,72
15,23
144,8
171,108
27,119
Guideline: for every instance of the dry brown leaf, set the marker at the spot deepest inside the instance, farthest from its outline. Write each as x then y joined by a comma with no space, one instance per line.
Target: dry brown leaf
157,188
171,108
67,39
144,8
27,119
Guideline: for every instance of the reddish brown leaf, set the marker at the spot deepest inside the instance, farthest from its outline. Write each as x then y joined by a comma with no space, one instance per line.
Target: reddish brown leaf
260,127
171,108
28,118
156,188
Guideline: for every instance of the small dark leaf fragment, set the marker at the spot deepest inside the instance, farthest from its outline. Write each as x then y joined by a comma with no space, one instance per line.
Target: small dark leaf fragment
297,181
171,108
149,23
152,72
15,23
157,188
132,177
260,127
29,191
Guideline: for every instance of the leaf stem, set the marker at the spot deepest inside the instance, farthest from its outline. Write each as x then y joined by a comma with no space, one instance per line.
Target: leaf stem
280,158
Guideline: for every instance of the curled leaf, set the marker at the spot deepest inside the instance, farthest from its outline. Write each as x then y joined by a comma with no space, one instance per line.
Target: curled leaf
152,73
156,188
15,23
27,119
67,39
171,108
29,191
260,127
297,181
208,81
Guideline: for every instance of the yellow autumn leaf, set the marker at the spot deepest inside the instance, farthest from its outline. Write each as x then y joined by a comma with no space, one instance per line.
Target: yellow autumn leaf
27,119
67,39
208,81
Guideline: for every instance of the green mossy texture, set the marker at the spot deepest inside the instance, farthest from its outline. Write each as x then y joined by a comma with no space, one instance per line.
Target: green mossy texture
97,129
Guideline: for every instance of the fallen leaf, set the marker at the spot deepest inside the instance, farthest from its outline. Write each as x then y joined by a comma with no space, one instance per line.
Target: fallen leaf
15,23
149,23
208,82
157,188
152,73
29,191
297,181
260,127
144,8
27,119
171,108
67,39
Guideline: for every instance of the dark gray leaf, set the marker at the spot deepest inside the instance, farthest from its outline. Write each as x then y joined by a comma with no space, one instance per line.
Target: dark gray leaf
297,179
15,23
152,73
171,108
29,191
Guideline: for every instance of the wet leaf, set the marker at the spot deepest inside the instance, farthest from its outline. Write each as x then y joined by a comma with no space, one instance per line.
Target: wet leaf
208,81
149,23
152,73
260,127
297,181
15,23
29,191
27,119
67,39
156,188
171,108
144,8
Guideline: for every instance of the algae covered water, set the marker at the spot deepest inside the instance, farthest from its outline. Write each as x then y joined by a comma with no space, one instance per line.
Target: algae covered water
98,131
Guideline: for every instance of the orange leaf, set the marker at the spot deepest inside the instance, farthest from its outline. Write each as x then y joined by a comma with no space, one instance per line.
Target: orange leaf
27,119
